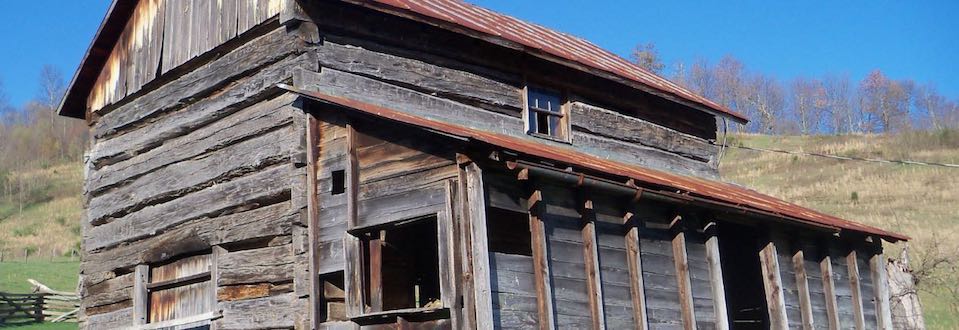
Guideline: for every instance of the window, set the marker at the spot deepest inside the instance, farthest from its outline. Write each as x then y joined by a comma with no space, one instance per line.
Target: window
545,114
401,268
179,294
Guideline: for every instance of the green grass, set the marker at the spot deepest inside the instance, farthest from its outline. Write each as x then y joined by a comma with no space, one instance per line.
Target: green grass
59,275
42,326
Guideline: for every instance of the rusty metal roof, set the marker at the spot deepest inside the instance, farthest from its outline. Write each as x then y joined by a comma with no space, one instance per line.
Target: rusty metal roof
455,15
539,40
712,190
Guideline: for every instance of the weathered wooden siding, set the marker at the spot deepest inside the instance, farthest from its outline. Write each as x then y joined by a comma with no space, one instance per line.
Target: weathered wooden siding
567,261
699,278
211,159
430,74
659,275
163,34
615,273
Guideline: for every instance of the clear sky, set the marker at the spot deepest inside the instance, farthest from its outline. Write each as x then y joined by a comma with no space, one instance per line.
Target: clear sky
904,39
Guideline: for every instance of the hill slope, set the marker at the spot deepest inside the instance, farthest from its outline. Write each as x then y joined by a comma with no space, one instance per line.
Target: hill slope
919,201
44,221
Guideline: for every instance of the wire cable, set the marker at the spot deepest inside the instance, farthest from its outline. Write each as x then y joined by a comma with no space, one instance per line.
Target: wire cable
852,158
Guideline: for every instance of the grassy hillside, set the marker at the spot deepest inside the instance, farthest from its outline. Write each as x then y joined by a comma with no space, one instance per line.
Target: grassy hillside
919,201
48,224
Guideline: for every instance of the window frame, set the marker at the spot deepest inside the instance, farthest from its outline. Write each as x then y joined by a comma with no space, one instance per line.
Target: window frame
144,285
564,132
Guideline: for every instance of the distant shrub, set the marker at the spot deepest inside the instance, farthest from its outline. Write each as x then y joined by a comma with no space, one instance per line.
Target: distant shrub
29,230
61,220
75,229
854,196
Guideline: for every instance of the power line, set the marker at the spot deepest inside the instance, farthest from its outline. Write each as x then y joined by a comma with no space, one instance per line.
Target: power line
860,159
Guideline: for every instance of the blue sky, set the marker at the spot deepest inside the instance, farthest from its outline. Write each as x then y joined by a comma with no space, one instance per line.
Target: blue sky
783,38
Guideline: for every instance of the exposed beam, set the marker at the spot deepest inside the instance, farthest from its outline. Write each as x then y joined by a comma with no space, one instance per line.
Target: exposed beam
716,277
682,274
313,214
829,290
881,288
544,291
802,284
636,287
856,287
141,277
475,199
591,252
772,282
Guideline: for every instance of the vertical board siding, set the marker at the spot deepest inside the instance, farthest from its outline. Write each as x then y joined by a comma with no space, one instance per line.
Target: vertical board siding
699,279
817,299
564,246
166,304
866,291
790,288
843,292
659,278
614,275
513,291
163,34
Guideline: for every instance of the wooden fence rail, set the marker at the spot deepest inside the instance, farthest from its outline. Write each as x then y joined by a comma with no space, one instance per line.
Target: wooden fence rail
42,305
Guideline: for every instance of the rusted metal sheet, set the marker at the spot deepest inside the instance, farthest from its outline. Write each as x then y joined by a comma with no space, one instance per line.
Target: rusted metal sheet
530,37
721,192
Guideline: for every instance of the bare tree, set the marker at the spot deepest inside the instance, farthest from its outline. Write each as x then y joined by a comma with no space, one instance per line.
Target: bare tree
701,78
646,56
728,75
929,102
765,97
808,103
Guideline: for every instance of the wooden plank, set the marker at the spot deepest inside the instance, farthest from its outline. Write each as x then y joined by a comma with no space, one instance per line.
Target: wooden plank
772,283
274,312
109,291
313,139
269,264
450,275
541,271
682,278
637,289
223,198
118,319
829,290
480,266
353,284
877,263
192,175
802,284
593,278
854,283
140,295
464,211
374,268
352,178
716,280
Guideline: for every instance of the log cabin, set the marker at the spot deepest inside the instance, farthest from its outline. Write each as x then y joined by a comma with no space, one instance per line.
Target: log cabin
347,164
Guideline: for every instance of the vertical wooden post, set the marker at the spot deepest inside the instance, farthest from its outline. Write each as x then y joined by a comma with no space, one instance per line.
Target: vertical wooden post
637,290
854,284
716,277
465,214
448,230
682,275
881,288
353,283
38,308
544,291
141,276
802,283
482,290
312,215
593,276
375,268
829,290
772,282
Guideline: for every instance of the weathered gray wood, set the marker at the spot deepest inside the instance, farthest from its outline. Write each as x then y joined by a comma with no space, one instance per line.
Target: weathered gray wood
611,124
200,82
313,140
244,93
403,205
682,278
829,290
877,264
637,288
480,266
117,319
192,236
273,312
802,284
593,274
344,84
854,283
269,264
258,188
353,283
424,76
716,282
541,262
772,283
254,120
179,179
108,291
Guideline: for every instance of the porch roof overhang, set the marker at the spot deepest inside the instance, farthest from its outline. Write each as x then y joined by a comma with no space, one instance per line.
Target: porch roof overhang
716,193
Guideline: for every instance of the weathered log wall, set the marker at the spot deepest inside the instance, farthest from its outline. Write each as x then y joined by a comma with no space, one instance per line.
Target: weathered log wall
425,70
209,161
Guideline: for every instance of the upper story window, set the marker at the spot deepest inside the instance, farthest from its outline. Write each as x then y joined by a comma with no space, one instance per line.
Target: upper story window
546,113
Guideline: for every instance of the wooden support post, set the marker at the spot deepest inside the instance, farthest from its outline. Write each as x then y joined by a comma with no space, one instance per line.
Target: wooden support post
682,275
636,288
352,178
312,214
772,282
591,252
881,288
829,290
141,276
465,228
854,284
482,291
448,240
353,276
544,291
802,283
716,277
